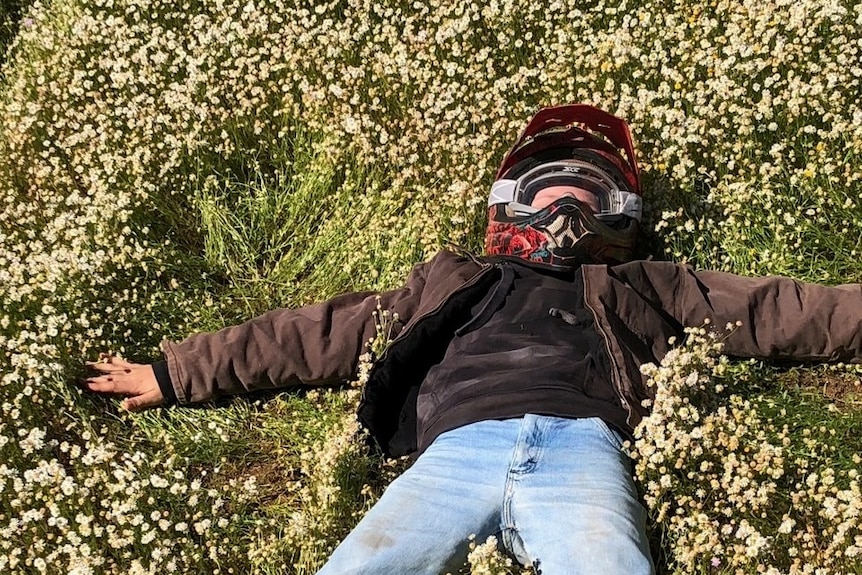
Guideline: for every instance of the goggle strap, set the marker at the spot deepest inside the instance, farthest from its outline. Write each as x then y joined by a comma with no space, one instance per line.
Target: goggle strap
632,205
502,192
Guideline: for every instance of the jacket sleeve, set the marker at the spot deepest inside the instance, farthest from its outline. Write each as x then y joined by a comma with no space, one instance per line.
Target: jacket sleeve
316,344
781,318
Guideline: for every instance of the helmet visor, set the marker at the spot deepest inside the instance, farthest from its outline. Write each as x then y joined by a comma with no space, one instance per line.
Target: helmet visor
564,126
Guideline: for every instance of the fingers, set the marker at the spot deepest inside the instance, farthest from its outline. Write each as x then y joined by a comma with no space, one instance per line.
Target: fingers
101,385
111,364
119,362
125,383
149,399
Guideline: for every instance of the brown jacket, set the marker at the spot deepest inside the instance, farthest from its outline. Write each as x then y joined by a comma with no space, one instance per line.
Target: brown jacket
638,306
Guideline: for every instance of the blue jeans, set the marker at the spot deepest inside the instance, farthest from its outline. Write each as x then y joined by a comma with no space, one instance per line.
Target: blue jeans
557,492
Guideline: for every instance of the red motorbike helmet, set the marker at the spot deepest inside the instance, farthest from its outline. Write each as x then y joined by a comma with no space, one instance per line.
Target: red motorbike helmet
578,148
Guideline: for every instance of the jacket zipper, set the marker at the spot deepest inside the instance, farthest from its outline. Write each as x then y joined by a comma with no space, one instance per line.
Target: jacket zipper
486,268
616,370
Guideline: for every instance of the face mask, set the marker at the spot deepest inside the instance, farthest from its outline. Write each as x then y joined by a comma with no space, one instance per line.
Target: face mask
563,234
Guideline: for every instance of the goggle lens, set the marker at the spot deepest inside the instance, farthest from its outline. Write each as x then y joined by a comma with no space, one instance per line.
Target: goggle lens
583,182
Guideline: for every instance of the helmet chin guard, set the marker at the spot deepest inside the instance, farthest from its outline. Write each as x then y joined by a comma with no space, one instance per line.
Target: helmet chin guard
564,234
594,178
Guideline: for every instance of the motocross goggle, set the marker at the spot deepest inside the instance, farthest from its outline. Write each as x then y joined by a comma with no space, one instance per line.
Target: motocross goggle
586,182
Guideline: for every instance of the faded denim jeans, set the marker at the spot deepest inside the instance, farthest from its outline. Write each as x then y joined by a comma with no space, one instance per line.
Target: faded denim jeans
558,493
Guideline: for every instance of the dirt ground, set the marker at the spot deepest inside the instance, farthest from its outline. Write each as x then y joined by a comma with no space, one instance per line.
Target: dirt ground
842,388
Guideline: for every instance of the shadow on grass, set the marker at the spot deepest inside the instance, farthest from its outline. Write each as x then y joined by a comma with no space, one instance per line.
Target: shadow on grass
10,20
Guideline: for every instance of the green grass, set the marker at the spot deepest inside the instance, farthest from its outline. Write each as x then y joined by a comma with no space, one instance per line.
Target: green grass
166,170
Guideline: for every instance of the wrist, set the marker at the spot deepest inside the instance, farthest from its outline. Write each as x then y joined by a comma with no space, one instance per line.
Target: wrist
163,378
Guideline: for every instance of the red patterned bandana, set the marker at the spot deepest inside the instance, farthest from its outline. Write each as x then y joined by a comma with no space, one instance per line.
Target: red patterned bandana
564,234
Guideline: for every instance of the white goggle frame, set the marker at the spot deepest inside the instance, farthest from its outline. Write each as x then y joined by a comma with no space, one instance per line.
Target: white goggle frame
618,201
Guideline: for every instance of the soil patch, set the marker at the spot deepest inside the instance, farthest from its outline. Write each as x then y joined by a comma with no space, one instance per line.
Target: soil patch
843,389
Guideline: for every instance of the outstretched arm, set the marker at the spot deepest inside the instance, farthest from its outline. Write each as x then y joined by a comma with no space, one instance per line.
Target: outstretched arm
315,344
779,317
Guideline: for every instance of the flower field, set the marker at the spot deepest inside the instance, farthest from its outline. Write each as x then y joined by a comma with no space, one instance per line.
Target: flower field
168,167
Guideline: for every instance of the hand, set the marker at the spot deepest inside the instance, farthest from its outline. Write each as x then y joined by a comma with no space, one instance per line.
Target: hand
135,380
